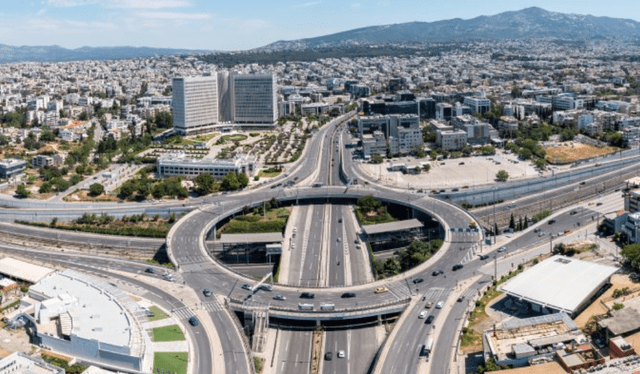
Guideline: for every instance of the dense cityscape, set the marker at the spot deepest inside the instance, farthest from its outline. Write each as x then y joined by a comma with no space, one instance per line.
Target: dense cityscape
325,205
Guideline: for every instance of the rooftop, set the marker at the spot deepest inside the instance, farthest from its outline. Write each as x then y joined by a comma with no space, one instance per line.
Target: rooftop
393,226
19,362
271,237
100,313
579,280
23,270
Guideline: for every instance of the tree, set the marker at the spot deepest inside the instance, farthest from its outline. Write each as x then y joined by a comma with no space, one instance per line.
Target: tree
230,182
54,221
22,191
368,204
512,222
426,168
496,231
128,189
243,180
526,223
48,136
96,189
376,159
502,176
45,187
164,119
392,266
61,184
205,183
631,254
84,116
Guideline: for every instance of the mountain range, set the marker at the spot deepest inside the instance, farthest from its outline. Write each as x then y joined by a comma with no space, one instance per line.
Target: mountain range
522,24
527,23
54,53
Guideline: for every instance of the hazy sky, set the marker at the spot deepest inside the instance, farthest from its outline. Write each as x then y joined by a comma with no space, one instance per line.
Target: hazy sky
240,24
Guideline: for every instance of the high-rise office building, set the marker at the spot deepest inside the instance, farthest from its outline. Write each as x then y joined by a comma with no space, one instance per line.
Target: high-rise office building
195,104
254,98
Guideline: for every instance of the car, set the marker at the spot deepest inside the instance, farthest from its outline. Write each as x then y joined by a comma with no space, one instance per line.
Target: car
380,290
541,234
583,183
206,292
167,276
573,212
429,319
461,298
246,287
440,304
457,267
266,287
598,204
307,295
418,280
537,229
423,314
437,272
462,163
428,305
339,240
280,297
551,221
150,270
193,321
455,190
502,249
339,220
341,354
348,295
328,356
484,257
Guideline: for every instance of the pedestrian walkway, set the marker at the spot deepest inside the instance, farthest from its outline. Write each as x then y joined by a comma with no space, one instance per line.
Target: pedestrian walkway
399,290
213,306
436,294
182,313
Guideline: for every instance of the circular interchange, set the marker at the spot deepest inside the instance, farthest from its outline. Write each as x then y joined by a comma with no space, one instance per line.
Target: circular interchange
187,250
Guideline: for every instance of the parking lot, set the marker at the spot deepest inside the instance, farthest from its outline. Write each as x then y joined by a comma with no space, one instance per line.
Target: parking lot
453,173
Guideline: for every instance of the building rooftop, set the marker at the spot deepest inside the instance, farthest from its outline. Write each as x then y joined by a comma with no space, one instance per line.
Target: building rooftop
271,237
579,280
19,362
393,226
100,313
22,270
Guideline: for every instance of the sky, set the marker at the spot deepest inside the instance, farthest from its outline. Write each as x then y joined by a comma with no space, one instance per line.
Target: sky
239,24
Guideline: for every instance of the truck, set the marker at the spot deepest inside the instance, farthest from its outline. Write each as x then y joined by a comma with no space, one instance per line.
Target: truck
426,348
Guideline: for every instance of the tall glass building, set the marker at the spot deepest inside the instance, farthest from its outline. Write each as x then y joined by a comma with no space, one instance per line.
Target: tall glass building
254,98
195,104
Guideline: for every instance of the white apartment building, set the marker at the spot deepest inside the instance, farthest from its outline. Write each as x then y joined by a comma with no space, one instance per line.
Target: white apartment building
254,98
401,131
451,140
478,104
178,164
195,104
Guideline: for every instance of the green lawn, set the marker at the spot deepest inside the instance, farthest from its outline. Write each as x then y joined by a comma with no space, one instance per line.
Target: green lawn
269,174
234,138
168,334
176,362
159,314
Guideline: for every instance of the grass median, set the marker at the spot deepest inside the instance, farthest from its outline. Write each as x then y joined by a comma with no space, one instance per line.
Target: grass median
170,333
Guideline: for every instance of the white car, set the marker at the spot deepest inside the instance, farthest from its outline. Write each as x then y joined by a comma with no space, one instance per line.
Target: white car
439,305
423,314
340,354
502,249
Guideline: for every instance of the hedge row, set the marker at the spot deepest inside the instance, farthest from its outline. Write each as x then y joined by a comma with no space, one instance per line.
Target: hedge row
146,232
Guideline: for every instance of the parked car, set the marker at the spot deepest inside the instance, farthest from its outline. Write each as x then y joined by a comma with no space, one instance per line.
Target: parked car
307,295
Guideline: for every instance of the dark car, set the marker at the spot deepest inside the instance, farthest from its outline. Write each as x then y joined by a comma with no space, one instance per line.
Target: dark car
246,287
573,212
461,298
193,321
457,267
307,295
348,295
551,221
150,270
429,319
484,257
437,272
418,280
328,356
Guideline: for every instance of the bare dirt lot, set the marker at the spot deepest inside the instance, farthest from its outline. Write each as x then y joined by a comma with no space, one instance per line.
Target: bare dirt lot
575,152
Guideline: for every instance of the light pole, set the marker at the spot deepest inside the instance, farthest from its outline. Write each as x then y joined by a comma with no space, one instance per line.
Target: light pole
495,224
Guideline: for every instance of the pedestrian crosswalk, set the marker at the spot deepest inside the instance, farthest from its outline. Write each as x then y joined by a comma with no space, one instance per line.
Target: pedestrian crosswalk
436,294
469,293
197,267
212,306
470,256
399,289
182,313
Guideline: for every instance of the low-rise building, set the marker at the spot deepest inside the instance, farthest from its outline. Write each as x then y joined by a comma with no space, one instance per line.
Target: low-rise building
40,161
179,164
451,140
10,167
19,362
